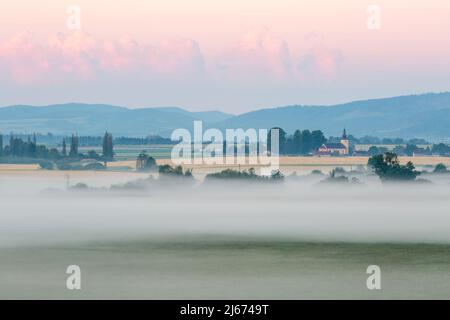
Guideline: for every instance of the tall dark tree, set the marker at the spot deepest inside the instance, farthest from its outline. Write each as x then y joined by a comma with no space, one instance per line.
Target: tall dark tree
64,148
17,147
306,142
108,148
281,140
297,141
73,146
32,147
1,145
317,139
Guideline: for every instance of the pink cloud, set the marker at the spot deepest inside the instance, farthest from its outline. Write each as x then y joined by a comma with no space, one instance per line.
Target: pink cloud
321,63
67,57
22,59
80,56
122,55
258,52
73,53
175,56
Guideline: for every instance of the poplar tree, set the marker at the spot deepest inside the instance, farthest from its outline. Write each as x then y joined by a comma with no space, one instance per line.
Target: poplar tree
73,146
64,148
108,148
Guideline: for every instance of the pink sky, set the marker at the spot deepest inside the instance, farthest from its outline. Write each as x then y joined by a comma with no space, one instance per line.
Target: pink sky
229,55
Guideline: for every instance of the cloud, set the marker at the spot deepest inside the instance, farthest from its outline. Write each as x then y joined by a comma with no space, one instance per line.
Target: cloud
321,63
260,56
122,55
80,56
258,53
73,53
175,56
22,59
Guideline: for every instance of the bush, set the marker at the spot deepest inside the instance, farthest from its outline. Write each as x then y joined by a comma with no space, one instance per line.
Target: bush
92,154
47,165
317,172
250,175
94,166
77,166
144,162
339,170
80,186
64,165
440,168
339,179
175,172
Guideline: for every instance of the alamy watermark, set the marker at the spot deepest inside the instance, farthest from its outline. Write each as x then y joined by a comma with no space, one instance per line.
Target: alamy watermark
73,281
373,21
373,282
255,147
73,21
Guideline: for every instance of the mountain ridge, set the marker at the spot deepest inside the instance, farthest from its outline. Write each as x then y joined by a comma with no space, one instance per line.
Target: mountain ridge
419,115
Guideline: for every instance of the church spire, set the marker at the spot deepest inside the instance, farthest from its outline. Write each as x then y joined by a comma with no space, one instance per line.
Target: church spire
344,135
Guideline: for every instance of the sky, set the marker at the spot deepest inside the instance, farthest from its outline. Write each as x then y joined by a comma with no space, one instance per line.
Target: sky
233,55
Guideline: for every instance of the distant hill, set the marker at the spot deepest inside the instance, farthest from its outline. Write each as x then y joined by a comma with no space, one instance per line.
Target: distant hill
420,116
94,119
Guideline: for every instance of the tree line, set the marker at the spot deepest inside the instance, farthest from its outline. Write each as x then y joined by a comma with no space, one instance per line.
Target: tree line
301,142
18,148
440,149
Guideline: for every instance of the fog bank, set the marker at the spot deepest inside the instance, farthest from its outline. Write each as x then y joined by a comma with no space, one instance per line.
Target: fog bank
299,209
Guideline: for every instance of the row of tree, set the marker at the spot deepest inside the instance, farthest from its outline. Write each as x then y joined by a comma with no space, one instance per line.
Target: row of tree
17,147
301,142
377,140
93,141
411,149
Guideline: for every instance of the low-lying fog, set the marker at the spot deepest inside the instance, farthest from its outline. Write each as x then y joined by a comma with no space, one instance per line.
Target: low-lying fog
39,210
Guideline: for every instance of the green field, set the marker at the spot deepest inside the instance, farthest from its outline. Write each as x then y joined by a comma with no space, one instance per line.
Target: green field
159,151
226,269
130,152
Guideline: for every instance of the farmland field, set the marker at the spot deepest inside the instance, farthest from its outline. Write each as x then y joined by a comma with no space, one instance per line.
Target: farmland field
297,240
205,268
130,152
288,165
126,161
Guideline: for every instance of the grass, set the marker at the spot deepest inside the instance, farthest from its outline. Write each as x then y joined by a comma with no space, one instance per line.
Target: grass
206,268
130,152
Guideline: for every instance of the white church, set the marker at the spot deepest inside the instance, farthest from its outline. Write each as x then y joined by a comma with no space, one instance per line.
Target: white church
341,148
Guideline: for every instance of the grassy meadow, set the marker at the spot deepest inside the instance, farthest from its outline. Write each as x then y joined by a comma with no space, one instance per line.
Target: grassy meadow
207,268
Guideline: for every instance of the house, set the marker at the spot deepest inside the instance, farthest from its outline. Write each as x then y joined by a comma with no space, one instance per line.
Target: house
341,148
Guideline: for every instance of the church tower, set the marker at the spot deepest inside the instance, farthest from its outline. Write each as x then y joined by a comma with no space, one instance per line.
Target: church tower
345,142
